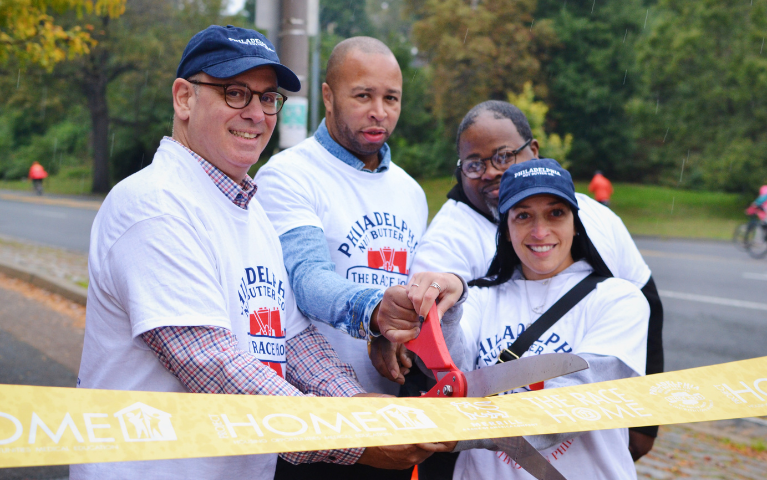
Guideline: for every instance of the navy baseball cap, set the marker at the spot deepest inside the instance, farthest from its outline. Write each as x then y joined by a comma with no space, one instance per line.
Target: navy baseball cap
535,177
225,52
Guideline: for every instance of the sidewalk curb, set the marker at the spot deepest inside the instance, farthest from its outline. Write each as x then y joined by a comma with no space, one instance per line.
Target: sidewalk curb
53,285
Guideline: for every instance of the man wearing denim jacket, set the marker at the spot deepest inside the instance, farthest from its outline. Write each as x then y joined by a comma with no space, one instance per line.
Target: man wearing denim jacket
349,220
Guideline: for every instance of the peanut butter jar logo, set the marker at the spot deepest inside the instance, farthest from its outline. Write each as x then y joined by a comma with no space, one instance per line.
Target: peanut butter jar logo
683,396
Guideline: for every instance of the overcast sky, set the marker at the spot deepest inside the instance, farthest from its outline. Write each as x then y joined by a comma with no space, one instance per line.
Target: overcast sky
235,6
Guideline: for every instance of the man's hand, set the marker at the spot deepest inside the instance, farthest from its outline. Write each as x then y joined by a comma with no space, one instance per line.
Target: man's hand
399,457
395,318
639,444
392,360
395,457
438,447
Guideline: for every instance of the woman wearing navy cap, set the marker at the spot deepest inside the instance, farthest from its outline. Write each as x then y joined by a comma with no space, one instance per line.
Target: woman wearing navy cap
541,255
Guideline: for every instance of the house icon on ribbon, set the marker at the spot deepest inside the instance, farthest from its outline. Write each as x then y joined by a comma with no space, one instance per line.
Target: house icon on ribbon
142,423
406,418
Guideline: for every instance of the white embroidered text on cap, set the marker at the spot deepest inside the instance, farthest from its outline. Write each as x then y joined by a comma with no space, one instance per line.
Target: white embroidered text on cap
251,41
537,171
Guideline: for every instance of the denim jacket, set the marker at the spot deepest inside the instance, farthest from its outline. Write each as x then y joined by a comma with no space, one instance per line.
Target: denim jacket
321,294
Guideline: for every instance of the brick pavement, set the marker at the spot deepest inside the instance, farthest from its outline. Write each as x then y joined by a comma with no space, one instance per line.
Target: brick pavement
727,450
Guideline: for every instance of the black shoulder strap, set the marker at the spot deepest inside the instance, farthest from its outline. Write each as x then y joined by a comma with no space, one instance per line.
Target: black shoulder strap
550,317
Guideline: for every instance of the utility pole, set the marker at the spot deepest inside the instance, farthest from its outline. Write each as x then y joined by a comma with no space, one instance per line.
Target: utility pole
294,53
315,94
268,20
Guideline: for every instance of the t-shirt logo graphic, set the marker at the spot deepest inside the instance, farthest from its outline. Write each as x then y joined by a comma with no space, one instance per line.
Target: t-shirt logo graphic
387,258
266,326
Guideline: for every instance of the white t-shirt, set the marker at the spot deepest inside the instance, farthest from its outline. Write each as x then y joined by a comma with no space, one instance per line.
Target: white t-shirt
460,240
373,223
611,321
169,249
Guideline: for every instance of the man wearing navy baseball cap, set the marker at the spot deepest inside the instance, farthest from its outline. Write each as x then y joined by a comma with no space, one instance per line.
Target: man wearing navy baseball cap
188,289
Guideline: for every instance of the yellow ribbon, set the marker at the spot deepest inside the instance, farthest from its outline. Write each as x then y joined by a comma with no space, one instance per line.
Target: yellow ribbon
50,426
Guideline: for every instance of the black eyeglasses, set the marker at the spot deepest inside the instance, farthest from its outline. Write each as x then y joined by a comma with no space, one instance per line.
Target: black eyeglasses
239,97
476,167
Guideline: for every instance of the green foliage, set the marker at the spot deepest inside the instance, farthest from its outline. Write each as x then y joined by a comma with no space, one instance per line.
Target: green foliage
479,50
61,145
420,143
136,58
39,124
662,91
436,192
673,212
345,18
703,67
30,34
68,181
591,76
550,145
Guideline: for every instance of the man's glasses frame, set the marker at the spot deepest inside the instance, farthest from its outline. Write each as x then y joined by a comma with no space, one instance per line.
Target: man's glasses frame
279,99
499,161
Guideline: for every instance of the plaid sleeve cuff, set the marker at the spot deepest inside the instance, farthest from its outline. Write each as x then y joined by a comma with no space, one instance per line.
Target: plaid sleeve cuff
314,367
349,456
206,360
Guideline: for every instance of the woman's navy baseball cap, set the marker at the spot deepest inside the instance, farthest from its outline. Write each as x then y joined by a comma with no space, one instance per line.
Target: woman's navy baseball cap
535,177
225,52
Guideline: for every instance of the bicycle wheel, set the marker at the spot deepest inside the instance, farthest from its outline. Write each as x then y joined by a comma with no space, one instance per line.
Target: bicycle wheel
756,239
739,237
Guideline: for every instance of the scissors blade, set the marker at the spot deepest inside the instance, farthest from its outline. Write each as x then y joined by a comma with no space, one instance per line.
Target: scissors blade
528,458
506,376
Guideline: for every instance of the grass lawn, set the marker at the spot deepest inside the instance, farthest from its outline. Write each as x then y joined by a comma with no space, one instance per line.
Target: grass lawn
58,184
649,210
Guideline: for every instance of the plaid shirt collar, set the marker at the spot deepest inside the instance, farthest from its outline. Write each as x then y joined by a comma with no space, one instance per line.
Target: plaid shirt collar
240,195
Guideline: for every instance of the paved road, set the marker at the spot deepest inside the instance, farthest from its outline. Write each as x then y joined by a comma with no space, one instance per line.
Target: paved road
713,298
37,347
59,222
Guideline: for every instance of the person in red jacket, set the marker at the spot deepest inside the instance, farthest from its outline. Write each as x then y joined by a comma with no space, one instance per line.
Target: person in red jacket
37,173
601,187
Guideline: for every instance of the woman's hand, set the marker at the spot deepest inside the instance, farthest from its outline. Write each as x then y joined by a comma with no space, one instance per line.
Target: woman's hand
427,287
403,309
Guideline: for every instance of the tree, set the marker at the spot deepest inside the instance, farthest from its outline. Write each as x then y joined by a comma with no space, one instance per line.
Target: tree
479,50
138,42
701,116
551,145
591,76
29,33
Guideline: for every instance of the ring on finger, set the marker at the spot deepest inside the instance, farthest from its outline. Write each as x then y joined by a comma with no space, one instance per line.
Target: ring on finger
416,285
436,285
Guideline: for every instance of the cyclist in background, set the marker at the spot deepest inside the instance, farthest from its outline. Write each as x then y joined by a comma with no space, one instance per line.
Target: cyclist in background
757,207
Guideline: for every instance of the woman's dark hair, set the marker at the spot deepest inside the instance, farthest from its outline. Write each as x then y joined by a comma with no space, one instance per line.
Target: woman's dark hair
506,260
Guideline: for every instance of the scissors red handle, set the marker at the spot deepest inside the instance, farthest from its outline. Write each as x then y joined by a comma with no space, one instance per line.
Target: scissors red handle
430,346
